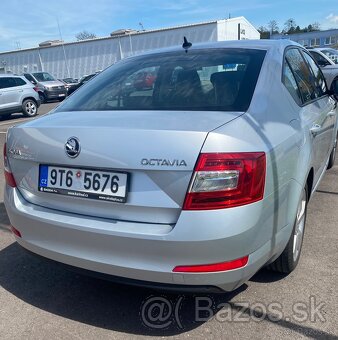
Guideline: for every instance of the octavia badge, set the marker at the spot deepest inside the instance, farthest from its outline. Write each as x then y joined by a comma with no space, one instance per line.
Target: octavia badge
72,147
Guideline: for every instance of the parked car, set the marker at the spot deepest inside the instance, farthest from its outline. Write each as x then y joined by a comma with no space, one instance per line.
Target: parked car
17,95
81,82
198,183
330,53
327,59
48,87
70,84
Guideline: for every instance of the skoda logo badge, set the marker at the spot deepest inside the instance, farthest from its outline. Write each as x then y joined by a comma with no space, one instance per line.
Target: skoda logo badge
72,147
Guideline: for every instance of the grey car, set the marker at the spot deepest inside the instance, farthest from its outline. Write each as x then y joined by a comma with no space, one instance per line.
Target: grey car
17,95
48,87
327,59
195,183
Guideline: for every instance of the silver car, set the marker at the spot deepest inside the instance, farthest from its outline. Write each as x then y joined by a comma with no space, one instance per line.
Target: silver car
17,95
327,59
47,86
196,182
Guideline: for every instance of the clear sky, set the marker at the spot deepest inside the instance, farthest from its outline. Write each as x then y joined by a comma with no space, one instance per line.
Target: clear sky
25,23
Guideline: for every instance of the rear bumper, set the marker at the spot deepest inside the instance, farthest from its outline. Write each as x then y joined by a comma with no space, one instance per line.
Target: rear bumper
127,250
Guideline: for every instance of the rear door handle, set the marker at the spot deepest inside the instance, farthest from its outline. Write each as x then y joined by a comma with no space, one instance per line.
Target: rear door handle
315,129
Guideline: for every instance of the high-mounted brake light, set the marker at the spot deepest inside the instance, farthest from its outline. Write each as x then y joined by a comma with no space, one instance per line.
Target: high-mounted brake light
225,180
215,267
9,178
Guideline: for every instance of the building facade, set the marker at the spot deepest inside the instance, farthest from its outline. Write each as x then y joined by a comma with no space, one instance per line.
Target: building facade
326,38
76,59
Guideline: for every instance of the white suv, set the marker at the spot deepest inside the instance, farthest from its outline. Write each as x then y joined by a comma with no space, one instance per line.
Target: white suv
17,95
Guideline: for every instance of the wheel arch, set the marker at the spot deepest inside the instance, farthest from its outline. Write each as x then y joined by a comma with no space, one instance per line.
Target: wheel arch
31,98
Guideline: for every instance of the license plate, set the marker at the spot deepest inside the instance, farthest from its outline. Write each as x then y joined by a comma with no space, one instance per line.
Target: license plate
86,183
61,95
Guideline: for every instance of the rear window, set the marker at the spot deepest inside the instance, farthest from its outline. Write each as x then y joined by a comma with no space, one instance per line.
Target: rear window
213,80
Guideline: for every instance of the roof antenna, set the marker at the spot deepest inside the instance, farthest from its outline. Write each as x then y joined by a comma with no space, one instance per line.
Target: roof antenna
186,44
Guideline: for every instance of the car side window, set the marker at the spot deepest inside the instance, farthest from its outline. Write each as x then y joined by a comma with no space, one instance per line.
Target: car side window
2,83
19,82
319,59
7,82
30,78
290,83
318,75
303,75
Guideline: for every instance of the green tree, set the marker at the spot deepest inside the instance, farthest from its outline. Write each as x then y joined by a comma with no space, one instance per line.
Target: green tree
290,26
84,35
264,32
313,27
273,27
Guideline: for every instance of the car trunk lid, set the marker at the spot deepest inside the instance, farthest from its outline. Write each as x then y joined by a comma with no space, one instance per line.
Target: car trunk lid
158,151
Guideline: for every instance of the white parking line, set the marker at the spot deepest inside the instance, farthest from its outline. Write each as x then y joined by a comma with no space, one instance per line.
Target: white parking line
3,132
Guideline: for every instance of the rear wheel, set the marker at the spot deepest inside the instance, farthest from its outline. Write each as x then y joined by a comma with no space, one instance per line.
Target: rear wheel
289,258
42,97
332,155
30,108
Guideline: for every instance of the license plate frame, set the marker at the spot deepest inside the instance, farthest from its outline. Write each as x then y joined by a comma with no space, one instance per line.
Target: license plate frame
86,194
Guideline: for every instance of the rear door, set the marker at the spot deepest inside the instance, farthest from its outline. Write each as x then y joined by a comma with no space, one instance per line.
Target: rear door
329,107
11,93
316,112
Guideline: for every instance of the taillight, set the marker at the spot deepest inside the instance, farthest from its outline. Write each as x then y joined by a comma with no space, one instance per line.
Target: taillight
36,89
215,267
225,180
7,171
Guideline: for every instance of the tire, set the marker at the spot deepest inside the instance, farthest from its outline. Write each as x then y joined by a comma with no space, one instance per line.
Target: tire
42,97
289,258
29,108
332,155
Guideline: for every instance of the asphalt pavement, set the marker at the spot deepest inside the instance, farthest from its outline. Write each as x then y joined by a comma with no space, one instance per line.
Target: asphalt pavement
43,300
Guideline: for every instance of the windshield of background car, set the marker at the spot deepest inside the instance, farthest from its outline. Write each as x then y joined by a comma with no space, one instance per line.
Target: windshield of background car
69,80
43,76
332,54
213,79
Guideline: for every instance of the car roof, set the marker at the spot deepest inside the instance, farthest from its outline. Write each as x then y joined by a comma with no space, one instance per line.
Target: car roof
262,44
325,48
10,75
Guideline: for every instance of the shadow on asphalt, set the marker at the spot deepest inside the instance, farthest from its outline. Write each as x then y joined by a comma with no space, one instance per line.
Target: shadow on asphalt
48,286
95,302
266,276
4,221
